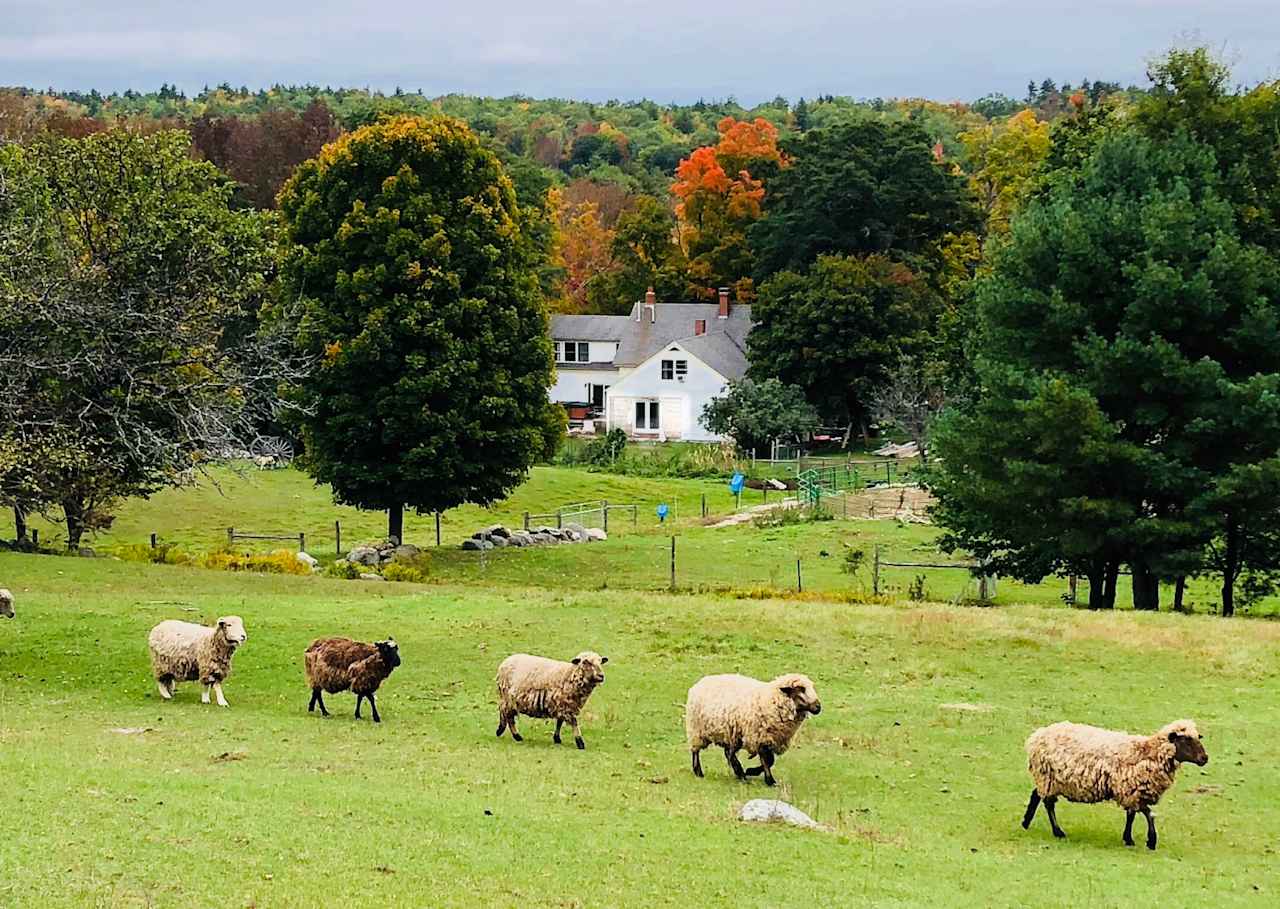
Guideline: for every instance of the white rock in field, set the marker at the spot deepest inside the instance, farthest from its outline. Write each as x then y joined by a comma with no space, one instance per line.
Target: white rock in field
372,577
595,533
309,560
767,810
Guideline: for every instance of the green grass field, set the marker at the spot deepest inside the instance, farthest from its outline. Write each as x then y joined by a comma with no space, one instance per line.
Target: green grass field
915,763
742,557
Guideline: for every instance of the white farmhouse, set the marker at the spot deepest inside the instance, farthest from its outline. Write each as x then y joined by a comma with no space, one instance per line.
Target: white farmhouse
650,373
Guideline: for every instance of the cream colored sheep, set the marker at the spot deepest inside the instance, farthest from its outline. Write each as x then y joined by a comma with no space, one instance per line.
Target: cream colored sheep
185,652
547,689
737,712
1087,764
6,603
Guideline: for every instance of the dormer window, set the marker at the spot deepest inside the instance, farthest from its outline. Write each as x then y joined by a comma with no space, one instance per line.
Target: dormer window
573,352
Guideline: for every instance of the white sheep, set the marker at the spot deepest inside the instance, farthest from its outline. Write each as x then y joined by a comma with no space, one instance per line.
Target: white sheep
1087,764
737,712
547,689
185,652
6,603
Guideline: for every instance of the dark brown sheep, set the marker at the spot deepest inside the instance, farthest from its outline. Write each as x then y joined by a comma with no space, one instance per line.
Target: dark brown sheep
336,664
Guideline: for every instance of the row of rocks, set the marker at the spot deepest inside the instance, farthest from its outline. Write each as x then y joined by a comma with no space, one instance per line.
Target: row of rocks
375,555
498,537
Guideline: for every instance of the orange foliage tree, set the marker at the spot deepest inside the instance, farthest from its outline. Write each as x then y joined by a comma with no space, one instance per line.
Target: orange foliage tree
720,189
584,250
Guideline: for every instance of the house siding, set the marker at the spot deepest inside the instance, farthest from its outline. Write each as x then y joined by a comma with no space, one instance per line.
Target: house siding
680,403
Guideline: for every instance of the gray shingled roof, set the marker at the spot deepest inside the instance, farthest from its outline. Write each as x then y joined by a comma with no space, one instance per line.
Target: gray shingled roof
723,347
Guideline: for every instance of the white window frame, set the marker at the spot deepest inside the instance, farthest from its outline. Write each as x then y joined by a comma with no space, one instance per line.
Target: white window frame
581,352
648,415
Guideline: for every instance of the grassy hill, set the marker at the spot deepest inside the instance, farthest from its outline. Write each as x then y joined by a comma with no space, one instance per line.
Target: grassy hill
915,763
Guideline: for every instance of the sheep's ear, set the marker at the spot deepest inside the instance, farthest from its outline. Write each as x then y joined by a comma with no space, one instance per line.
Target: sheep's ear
790,691
603,660
575,661
221,624
1173,736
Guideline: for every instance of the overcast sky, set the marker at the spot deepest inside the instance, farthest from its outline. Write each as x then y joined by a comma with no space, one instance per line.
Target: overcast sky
666,50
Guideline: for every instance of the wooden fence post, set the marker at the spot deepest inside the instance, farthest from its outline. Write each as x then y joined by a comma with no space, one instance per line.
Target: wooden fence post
875,573
526,520
799,579
153,541
302,542
559,519
673,563
337,537
35,537
604,508
1071,590
231,536
704,504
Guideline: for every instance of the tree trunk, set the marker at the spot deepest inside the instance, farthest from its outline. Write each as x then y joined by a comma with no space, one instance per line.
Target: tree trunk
1230,567
20,524
1097,584
395,523
1146,588
866,435
1179,588
1110,575
73,509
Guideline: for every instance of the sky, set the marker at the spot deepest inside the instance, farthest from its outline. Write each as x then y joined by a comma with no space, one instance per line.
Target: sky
664,50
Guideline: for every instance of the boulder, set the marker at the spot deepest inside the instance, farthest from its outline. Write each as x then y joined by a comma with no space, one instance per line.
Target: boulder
364,555
473,544
767,810
308,560
499,542
370,576
575,527
596,534
497,530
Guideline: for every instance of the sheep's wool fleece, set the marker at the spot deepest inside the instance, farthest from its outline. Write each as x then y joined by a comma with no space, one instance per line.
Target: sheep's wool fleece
546,689
188,652
740,712
6,603
336,664
1088,764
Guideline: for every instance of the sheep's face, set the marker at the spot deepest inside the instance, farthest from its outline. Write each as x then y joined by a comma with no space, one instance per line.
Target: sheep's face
6,604
232,628
800,689
1187,746
389,650
591,665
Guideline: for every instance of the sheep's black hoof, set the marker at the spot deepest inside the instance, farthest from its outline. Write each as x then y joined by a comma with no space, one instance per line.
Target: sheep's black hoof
1151,844
1060,834
500,730
769,782
517,737
1128,842
582,746
1026,825
556,739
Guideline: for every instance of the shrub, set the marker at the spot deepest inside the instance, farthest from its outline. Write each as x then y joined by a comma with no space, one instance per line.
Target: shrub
281,561
399,571
343,570
916,590
163,554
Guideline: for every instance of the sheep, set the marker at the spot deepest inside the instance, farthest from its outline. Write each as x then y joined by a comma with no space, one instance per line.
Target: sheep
6,603
737,712
185,652
336,664
1087,764
544,689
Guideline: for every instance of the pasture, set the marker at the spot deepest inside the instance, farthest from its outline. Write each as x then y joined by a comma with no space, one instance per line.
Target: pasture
915,764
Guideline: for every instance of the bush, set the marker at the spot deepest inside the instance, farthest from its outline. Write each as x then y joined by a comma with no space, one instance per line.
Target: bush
163,554
281,561
343,570
399,571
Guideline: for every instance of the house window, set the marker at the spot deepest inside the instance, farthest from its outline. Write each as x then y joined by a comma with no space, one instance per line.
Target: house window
647,415
573,352
675,369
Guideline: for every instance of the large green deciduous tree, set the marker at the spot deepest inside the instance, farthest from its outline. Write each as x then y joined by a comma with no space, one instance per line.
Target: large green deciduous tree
872,186
756,413
421,299
836,330
129,342
1127,408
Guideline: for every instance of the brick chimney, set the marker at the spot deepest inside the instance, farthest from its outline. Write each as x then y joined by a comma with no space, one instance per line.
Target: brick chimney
699,326
651,304
724,303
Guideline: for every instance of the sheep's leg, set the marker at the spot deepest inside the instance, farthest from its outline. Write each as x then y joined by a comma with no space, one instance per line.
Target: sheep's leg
1151,826
317,700
555,737
359,700
697,762
217,690
577,735
204,695
766,762
1032,805
514,734
373,705
502,723
1128,826
731,756
164,691
1049,805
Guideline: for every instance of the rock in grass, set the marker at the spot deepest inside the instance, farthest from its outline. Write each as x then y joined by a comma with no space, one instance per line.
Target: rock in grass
595,534
768,810
308,560
370,576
